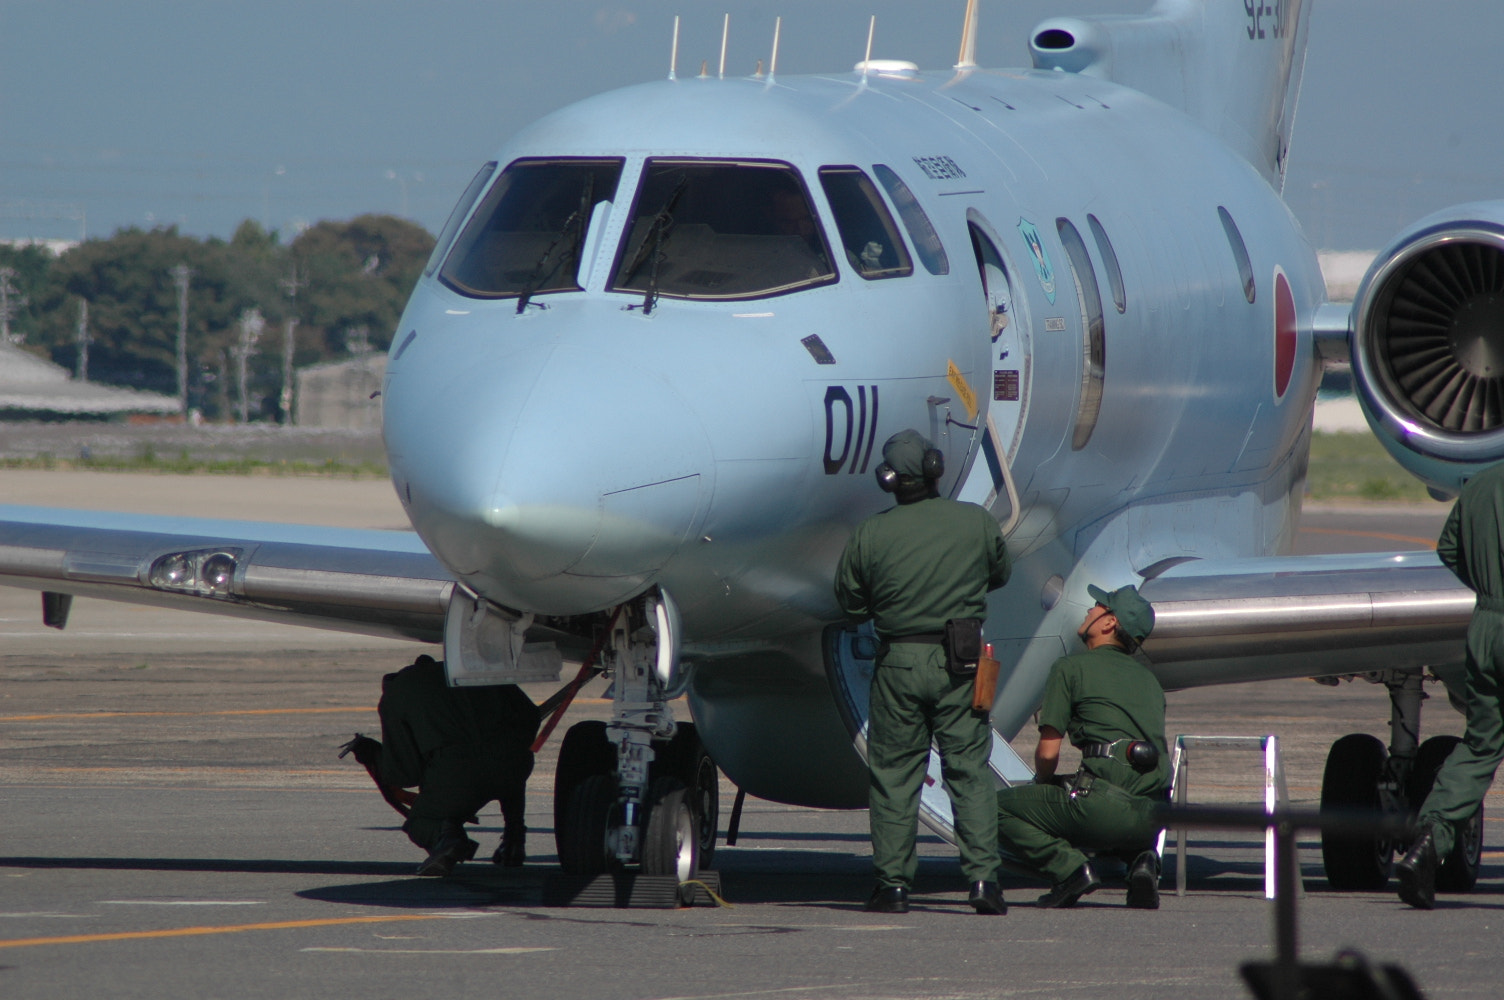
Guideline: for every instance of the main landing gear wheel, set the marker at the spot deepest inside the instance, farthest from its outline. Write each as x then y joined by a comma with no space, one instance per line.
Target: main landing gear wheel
671,842
1352,779
584,752
1458,871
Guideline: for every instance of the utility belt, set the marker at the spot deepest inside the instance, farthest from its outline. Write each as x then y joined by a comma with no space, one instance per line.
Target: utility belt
1141,755
961,640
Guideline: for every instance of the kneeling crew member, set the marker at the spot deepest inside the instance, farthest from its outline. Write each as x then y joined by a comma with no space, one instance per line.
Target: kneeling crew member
1113,708
461,747
913,569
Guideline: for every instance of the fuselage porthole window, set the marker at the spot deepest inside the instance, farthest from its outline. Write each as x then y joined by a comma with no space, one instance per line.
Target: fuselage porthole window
720,230
1094,344
927,245
461,209
1239,253
1110,262
527,236
869,235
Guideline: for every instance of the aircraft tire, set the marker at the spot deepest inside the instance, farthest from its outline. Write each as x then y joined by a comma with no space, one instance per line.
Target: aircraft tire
1354,771
685,756
671,842
584,751
588,819
1458,871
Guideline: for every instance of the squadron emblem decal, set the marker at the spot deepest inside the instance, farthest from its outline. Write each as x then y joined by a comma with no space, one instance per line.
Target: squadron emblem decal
1042,267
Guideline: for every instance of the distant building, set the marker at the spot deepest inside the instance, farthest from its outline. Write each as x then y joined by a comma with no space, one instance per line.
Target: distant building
341,393
33,388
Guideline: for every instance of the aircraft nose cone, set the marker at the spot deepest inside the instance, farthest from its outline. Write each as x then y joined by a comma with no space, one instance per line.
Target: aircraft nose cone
575,497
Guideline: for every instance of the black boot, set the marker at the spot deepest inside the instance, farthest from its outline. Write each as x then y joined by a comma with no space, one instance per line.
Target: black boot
986,898
512,851
1143,882
451,848
1416,871
1077,884
888,899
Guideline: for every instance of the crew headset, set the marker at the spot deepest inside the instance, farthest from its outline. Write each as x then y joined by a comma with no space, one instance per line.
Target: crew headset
933,467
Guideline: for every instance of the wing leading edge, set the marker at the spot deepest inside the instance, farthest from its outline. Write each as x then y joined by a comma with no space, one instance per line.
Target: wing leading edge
383,583
1226,621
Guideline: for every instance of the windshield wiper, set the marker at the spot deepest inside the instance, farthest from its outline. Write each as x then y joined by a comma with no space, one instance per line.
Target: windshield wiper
652,245
574,230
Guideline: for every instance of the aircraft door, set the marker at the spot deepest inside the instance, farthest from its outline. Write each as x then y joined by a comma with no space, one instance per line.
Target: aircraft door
1010,354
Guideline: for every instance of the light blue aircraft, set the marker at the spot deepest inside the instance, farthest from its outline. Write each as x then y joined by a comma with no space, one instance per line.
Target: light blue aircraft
633,407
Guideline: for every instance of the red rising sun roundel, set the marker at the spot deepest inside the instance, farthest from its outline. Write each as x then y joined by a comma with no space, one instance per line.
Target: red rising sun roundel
1284,333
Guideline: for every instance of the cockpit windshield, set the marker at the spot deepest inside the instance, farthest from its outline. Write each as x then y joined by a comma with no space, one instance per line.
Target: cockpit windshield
721,230
527,236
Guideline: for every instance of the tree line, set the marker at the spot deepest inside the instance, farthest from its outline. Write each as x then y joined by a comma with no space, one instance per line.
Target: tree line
344,283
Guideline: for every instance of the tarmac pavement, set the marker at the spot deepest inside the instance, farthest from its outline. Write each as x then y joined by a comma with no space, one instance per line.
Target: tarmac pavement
176,824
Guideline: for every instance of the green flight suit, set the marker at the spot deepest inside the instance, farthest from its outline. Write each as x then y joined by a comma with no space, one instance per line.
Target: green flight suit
1099,696
462,747
911,569
1472,546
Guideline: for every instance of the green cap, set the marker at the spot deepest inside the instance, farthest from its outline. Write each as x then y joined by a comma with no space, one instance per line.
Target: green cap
1134,614
904,453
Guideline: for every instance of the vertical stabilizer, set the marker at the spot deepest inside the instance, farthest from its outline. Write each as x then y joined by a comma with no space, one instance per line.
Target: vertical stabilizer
1234,65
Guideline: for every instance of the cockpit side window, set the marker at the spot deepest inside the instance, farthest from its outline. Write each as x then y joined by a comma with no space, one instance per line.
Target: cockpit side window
461,208
706,229
927,245
868,233
527,236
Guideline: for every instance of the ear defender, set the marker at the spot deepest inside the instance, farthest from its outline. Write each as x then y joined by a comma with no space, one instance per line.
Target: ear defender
934,464
887,479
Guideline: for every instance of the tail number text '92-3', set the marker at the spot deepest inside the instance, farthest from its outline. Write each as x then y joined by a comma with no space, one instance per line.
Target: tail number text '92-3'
846,420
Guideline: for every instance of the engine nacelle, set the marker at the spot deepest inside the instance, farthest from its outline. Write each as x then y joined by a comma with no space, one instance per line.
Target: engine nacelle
1427,345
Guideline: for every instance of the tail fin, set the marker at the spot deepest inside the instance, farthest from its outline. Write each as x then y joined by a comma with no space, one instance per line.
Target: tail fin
1234,65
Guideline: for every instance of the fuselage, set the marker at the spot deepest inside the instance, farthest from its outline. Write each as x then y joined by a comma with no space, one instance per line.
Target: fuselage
701,408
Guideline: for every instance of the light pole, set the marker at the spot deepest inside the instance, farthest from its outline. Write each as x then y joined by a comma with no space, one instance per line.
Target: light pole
181,275
251,325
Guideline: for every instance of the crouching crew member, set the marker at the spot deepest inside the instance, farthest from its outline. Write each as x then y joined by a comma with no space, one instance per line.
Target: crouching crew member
461,747
921,571
1113,709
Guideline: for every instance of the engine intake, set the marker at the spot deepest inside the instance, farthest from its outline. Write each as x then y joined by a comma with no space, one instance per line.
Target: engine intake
1428,345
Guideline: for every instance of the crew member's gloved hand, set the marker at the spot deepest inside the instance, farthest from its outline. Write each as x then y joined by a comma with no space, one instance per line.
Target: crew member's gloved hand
366,750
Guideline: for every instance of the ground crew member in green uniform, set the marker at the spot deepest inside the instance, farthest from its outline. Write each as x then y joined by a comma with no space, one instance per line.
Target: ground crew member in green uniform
912,569
1113,710
1471,546
462,747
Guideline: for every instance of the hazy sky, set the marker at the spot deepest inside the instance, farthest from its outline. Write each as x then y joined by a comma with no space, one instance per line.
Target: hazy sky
202,113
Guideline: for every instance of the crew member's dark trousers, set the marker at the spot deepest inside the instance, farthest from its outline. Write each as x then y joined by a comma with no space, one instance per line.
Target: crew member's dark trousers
914,698
1464,779
1045,828
457,784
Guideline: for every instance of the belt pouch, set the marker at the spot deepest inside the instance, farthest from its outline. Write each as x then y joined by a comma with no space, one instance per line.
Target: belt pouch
963,645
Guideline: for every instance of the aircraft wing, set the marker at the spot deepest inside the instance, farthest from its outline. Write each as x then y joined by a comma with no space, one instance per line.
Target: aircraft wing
374,582
1221,621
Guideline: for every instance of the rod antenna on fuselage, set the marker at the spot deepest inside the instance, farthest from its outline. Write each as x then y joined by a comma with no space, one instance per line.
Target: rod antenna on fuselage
673,55
773,60
968,57
725,34
871,30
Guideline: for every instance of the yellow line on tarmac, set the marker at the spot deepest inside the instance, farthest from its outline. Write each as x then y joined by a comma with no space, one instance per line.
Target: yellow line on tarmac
1386,536
192,931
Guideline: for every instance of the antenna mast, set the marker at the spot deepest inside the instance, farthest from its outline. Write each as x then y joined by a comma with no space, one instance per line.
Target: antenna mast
673,56
725,34
773,61
968,56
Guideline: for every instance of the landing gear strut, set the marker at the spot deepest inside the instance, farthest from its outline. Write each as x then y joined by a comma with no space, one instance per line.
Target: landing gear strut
639,789
1360,773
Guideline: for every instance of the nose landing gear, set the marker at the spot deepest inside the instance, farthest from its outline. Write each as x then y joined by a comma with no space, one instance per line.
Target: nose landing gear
640,789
